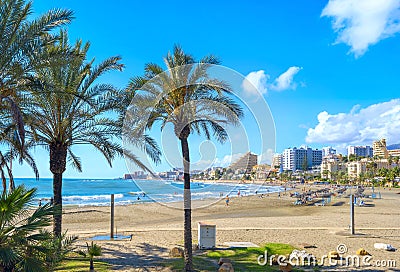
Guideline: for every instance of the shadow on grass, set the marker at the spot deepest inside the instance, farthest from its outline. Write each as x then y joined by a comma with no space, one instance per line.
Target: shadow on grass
200,263
243,259
81,265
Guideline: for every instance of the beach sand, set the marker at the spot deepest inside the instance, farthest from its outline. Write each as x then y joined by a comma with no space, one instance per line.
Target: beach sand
156,228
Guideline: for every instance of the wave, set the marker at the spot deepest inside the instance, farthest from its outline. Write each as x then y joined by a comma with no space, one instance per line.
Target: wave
136,193
91,197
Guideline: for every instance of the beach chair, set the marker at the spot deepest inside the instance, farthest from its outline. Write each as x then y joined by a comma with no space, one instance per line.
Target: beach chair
298,202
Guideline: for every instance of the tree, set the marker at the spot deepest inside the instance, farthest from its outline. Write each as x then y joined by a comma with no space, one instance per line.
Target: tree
92,251
21,242
353,157
67,108
304,164
372,168
20,40
326,173
185,96
15,151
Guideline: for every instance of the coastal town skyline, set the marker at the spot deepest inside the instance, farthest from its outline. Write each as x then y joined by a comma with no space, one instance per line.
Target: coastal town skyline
327,82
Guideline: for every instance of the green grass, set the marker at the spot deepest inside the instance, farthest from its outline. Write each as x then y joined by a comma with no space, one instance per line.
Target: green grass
82,265
243,259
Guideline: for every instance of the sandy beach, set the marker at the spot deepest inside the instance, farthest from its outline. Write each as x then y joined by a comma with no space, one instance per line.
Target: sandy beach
156,228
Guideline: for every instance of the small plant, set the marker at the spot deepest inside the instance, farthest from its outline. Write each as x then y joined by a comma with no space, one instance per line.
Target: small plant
57,248
91,251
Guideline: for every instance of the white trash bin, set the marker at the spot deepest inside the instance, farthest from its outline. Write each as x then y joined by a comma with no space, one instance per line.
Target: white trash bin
206,235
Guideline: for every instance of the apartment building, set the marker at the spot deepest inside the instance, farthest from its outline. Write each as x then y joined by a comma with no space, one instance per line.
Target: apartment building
360,151
328,150
299,158
331,165
380,150
245,163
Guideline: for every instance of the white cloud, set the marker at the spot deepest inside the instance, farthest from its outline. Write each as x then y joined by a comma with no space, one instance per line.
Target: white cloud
228,159
361,23
257,81
266,157
285,80
359,126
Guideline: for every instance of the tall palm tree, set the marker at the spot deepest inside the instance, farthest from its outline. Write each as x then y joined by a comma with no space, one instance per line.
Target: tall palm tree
20,39
68,109
21,245
191,101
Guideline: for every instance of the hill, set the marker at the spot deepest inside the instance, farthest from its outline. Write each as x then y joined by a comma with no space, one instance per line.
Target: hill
393,146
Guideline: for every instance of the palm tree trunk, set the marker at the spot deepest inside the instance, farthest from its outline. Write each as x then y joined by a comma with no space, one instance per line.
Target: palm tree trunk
58,158
91,267
11,185
57,201
4,180
187,198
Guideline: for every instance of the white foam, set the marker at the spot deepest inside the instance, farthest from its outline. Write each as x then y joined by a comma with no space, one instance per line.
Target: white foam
93,197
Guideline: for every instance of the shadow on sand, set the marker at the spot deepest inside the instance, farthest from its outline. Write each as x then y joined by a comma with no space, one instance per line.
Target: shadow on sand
150,256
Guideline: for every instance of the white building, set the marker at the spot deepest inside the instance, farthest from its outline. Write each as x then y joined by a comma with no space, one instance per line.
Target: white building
360,151
328,150
298,158
277,161
330,166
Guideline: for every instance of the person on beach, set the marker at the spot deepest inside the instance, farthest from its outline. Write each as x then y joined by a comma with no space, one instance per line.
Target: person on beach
239,193
227,200
40,203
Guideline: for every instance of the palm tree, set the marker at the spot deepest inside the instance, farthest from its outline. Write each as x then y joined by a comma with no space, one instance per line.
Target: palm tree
92,251
20,39
68,108
191,101
20,242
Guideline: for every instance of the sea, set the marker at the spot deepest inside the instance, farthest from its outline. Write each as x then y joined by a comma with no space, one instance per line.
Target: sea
97,192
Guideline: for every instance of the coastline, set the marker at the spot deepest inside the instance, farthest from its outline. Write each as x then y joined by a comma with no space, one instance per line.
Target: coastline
142,193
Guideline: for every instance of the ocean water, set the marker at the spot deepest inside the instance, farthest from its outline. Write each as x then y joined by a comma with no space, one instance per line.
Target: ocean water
97,192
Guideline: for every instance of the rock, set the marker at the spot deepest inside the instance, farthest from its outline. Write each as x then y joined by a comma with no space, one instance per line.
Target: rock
333,255
362,252
309,246
224,260
387,247
286,268
274,260
301,255
176,252
226,267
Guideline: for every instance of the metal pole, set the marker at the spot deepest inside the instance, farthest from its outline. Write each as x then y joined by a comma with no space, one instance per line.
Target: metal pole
112,217
352,214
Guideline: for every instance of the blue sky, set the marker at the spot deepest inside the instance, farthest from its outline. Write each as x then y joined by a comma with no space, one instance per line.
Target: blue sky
327,69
